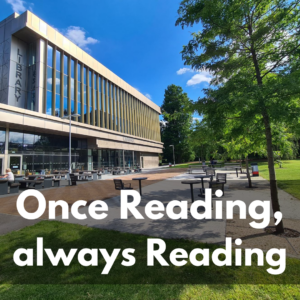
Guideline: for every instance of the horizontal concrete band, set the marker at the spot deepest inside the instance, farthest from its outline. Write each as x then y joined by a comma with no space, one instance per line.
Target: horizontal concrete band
17,118
122,146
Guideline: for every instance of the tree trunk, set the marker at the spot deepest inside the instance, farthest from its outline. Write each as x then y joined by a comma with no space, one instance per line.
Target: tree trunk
272,174
248,173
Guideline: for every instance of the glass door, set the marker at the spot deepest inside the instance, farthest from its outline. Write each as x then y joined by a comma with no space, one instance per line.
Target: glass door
15,164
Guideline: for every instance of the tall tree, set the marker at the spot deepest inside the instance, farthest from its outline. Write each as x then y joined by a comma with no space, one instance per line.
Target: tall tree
251,47
176,113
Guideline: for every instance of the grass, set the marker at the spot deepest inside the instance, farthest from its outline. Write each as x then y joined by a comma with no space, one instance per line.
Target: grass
138,281
288,177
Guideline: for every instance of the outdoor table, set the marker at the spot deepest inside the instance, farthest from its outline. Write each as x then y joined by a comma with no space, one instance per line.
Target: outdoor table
140,182
202,190
191,183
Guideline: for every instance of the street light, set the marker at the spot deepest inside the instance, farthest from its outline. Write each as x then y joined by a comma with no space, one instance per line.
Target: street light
69,117
173,153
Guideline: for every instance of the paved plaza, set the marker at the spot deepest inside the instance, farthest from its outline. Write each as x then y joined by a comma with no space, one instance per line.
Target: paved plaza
164,184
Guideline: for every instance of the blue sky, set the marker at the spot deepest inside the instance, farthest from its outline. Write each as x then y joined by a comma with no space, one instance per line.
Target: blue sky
135,39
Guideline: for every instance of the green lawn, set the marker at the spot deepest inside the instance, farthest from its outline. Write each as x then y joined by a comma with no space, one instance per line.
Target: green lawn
78,282
288,177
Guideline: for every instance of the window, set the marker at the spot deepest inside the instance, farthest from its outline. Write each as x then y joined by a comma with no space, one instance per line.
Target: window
57,83
58,60
57,105
49,103
79,72
50,56
66,69
72,68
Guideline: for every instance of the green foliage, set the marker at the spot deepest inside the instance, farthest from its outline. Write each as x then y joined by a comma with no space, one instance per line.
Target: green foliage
176,112
251,48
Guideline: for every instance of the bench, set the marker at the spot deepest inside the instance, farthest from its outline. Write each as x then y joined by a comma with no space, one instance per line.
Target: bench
56,182
3,186
199,169
216,165
31,184
14,187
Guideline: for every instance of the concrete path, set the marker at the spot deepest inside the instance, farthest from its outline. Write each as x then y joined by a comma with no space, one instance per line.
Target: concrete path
10,223
210,231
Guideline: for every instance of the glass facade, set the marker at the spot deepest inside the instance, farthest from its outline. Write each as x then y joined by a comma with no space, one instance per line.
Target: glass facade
50,153
2,141
99,102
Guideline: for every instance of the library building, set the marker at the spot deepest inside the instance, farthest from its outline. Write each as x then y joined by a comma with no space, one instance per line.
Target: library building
50,87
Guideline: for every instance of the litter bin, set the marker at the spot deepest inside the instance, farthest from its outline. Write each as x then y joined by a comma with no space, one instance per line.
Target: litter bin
254,169
170,164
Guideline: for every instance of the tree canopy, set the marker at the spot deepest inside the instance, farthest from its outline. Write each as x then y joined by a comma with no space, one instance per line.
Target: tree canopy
177,115
251,48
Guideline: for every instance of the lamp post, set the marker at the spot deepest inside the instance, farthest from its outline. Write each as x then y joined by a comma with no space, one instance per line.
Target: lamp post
69,117
173,153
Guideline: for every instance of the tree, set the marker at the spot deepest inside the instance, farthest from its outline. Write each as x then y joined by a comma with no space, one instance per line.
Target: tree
178,118
251,47
205,141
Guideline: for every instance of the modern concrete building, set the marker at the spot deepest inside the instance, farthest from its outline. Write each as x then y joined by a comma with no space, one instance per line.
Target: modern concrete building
44,77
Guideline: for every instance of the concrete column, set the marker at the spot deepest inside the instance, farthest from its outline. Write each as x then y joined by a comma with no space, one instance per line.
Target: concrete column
123,159
41,76
76,88
111,127
102,104
92,98
98,100
88,96
6,159
118,108
114,99
106,104
69,87
82,93
53,81
61,84
121,110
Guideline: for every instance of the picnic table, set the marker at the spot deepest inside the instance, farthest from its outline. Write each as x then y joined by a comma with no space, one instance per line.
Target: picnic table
191,183
31,184
202,177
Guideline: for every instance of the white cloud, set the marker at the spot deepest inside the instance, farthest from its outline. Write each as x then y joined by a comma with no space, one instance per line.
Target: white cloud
201,76
19,6
148,96
198,78
184,70
77,35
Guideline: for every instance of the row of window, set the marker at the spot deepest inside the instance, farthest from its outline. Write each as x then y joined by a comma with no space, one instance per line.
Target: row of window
73,88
